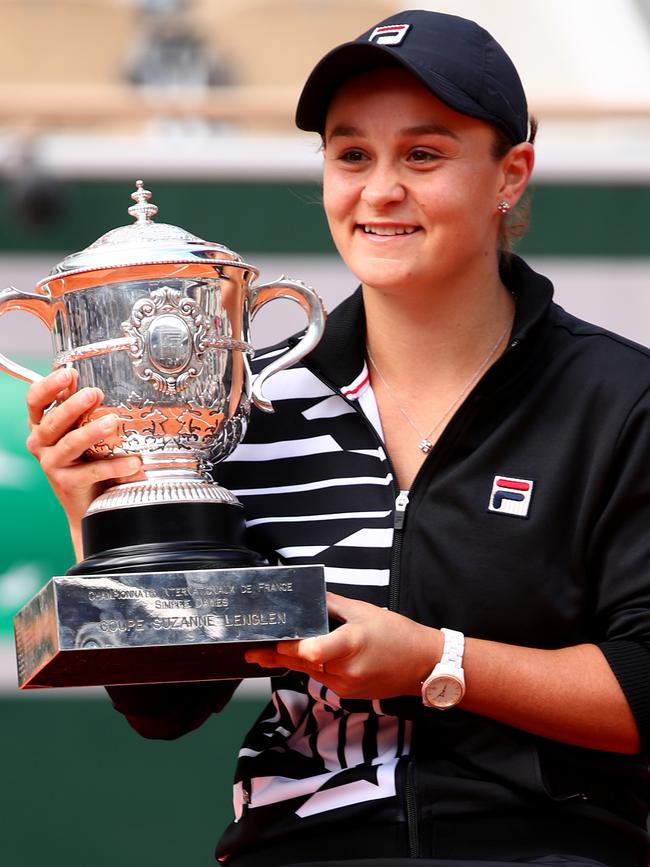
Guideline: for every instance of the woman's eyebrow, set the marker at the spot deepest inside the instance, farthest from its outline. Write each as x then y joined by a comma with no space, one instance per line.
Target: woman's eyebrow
434,128
429,129
345,130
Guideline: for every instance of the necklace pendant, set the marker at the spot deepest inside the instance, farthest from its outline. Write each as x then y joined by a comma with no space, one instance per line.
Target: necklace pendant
426,446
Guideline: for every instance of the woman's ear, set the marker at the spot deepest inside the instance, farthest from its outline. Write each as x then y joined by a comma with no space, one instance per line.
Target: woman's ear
517,167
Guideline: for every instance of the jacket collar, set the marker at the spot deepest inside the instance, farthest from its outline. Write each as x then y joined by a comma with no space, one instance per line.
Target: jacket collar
533,294
340,356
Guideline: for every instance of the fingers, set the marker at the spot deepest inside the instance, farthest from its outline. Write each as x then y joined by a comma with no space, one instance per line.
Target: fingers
44,392
66,416
49,429
310,655
58,436
61,436
339,644
84,476
72,445
270,658
67,454
344,609
59,442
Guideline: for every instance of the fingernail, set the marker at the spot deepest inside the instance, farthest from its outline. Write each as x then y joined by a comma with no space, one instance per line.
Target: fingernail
108,423
88,396
133,465
62,376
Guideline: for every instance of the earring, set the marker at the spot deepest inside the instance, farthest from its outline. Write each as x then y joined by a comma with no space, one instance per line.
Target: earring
503,206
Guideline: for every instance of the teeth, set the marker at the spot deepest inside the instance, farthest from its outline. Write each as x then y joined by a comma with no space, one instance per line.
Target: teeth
389,230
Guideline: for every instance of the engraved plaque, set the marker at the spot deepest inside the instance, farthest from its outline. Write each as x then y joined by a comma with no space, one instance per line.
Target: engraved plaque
95,630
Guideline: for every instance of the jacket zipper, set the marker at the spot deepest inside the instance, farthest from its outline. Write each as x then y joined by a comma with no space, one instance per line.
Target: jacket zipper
399,519
410,798
410,792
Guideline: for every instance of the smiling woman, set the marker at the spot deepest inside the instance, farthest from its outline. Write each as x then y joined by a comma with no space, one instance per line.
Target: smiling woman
469,462
411,191
410,188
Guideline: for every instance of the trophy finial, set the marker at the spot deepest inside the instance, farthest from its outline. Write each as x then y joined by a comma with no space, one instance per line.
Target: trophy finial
143,210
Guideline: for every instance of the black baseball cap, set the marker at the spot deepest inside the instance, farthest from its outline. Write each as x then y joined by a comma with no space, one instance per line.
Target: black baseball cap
458,61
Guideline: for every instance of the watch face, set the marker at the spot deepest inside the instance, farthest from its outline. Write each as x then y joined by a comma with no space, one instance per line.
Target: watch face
444,691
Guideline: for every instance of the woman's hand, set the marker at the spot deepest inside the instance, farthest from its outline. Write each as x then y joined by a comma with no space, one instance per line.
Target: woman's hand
59,445
569,694
374,654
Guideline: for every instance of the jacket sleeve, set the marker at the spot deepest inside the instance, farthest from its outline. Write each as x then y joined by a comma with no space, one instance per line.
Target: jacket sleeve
167,711
620,558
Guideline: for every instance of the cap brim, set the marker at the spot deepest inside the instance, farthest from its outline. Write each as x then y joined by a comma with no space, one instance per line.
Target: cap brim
354,58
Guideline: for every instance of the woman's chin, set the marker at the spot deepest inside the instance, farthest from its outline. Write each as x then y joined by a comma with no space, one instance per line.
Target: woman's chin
390,281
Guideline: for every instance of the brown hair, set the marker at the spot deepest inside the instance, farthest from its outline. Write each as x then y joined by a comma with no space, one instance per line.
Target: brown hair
514,224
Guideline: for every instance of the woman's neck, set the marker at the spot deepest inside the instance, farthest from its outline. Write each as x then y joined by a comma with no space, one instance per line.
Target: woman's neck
425,354
445,329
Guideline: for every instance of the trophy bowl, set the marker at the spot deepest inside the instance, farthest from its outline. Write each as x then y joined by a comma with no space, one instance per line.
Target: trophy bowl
159,320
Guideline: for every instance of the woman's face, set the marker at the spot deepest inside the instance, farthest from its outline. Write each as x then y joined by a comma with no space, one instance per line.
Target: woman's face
410,185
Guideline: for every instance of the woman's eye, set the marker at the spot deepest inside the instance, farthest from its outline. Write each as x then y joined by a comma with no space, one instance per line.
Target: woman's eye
422,156
352,156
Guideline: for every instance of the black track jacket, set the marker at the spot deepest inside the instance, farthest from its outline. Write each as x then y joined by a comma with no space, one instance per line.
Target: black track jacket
528,523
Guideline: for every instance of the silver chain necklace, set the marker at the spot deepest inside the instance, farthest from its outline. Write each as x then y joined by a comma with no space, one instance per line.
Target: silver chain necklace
425,444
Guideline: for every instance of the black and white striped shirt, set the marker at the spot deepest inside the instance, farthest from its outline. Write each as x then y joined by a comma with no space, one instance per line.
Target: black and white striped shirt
317,488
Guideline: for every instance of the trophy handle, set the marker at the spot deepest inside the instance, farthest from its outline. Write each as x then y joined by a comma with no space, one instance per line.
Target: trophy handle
311,303
29,302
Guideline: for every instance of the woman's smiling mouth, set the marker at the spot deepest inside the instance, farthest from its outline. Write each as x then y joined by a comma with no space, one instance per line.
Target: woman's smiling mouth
383,230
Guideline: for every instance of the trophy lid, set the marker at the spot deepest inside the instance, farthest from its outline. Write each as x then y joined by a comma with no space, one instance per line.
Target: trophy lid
144,243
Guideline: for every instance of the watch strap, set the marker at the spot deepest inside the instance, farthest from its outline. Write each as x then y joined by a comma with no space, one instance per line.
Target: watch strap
453,648
449,667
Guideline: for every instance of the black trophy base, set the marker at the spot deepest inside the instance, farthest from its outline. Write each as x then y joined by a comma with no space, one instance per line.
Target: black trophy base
152,611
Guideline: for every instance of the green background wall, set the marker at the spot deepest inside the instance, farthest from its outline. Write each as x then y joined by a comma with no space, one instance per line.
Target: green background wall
79,787
568,219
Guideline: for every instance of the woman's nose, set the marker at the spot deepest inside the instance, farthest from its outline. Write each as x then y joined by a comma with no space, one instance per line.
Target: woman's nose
382,187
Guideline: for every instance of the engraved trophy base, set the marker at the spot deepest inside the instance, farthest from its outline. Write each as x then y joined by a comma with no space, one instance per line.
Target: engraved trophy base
185,609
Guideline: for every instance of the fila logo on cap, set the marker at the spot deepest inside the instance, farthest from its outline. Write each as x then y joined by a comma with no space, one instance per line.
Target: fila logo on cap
389,34
511,496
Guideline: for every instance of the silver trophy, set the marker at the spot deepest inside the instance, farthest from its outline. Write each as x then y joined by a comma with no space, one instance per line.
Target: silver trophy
167,590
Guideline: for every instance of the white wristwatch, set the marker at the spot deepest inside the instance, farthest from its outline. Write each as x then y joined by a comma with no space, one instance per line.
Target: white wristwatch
445,686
